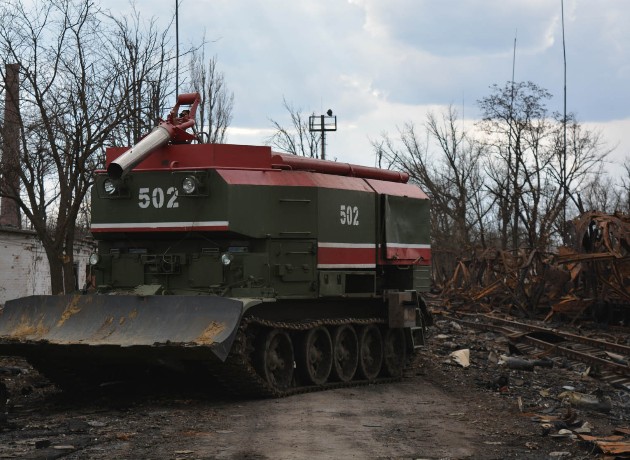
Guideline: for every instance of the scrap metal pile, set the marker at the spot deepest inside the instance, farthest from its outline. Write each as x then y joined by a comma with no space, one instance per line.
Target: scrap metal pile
588,279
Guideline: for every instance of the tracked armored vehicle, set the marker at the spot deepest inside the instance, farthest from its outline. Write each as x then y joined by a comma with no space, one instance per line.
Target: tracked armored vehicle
272,273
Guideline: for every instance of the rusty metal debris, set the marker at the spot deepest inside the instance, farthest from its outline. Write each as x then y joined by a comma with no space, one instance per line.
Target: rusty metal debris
610,445
588,279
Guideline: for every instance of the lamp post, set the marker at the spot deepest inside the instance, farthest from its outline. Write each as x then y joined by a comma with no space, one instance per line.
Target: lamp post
323,123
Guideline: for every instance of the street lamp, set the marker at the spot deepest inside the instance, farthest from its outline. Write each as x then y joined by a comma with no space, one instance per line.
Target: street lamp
323,123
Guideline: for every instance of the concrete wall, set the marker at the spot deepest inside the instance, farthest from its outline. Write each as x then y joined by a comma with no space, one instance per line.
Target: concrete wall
24,267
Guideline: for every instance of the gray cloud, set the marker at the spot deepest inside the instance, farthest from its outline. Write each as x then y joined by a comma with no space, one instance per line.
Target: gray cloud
373,61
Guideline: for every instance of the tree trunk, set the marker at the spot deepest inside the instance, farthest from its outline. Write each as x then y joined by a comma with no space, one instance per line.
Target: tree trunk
69,279
55,262
70,282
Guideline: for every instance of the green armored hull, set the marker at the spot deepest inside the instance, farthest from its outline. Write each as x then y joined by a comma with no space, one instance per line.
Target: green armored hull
286,272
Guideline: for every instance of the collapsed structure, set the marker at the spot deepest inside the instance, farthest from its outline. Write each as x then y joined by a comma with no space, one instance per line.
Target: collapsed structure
588,279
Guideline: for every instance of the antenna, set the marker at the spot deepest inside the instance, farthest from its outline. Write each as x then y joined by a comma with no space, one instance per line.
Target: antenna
514,62
564,149
515,173
176,48
463,111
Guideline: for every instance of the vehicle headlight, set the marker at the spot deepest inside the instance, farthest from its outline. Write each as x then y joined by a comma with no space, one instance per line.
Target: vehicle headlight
226,259
94,258
109,186
189,185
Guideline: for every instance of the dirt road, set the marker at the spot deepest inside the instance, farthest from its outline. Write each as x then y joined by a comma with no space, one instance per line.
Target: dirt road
409,419
378,421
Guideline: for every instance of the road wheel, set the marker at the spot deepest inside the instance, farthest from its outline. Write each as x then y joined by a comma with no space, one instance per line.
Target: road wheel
274,359
345,352
394,352
316,356
370,352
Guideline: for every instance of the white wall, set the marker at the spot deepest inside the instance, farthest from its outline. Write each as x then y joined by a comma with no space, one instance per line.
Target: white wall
24,267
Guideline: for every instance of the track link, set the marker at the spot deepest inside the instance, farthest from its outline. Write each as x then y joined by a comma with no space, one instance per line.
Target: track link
239,376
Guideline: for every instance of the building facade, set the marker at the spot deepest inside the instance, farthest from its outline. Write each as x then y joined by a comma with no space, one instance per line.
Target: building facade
24,268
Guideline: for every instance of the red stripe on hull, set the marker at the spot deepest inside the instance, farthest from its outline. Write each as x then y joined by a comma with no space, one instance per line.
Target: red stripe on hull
346,256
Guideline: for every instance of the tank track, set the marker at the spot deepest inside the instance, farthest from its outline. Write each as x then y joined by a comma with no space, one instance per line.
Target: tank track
239,377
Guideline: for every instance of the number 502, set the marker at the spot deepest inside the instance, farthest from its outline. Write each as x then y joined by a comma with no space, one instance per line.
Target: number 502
349,215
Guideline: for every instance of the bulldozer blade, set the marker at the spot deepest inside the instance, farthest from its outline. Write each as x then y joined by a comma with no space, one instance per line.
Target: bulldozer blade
114,325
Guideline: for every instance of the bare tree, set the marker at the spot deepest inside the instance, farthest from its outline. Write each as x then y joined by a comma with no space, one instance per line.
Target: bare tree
296,139
514,118
601,194
526,162
144,56
75,92
215,111
462,156
450,174
623,203
586,156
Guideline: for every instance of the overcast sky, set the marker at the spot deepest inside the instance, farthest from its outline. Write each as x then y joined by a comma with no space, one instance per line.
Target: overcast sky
380,63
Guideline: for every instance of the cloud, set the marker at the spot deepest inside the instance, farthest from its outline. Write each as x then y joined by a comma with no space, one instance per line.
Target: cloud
615,136
379,63
461,28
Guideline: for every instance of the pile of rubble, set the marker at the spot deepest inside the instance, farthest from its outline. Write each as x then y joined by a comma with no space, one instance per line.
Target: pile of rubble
577,415
590,278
